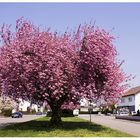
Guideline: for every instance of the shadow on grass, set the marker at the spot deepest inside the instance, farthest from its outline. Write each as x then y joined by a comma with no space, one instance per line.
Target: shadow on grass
44,125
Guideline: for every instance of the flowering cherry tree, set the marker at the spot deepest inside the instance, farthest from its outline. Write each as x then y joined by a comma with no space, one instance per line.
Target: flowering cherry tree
59,69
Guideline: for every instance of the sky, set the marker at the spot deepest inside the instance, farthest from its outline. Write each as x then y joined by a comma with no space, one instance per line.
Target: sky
121,19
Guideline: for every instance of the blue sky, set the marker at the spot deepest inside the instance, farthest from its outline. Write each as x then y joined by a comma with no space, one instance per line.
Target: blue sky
121,19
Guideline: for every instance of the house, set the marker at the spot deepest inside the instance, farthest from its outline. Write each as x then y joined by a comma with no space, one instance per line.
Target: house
85,104
17,104
131,99
24,105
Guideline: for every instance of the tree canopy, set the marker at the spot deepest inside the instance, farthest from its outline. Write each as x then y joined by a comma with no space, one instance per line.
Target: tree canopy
59,68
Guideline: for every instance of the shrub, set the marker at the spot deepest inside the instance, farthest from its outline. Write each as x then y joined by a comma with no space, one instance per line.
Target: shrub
64,113
25,112
29,112
95,112
106,111
33,111
87,112
67,113
7,112
83,112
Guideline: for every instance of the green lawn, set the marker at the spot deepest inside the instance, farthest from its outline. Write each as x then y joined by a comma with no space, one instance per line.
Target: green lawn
72,127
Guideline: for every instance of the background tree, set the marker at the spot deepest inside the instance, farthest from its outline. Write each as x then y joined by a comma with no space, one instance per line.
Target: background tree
59,69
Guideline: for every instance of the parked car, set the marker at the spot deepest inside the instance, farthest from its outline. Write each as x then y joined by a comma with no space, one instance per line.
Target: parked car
17,115
108,114
123,113
133,113
76,112
39,113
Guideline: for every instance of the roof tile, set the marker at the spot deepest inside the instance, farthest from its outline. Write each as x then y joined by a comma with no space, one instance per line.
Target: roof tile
132,91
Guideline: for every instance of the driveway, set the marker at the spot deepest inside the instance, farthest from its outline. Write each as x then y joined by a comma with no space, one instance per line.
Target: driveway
7,121
130,127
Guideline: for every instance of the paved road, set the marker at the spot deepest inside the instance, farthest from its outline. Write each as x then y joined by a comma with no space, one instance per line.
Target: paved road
126,126
7,121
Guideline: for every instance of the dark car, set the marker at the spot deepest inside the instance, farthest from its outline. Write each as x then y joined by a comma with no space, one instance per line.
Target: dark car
17,115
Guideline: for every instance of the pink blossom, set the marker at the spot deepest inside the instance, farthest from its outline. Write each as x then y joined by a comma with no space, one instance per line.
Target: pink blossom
60,69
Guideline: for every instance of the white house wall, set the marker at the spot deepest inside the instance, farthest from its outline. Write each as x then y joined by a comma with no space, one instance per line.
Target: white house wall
34,106
23,105
137,101
127,102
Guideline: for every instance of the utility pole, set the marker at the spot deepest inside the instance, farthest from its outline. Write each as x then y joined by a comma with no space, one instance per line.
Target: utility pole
90,110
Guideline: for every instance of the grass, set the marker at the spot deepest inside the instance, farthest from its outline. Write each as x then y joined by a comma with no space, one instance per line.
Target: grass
72,127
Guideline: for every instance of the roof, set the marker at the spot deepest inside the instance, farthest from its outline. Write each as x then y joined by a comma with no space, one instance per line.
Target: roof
132,91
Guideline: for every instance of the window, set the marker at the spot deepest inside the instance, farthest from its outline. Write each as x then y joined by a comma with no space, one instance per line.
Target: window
130,99
122,100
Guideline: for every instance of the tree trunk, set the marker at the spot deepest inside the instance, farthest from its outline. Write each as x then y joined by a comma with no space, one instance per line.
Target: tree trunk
56,116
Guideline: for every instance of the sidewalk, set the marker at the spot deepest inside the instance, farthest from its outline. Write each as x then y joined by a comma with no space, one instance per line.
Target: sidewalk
130,127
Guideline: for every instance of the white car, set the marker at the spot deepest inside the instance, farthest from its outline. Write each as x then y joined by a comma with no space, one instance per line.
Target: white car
123,113
133,113
76,112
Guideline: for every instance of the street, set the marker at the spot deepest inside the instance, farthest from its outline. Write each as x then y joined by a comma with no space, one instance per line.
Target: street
25,118
130,127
